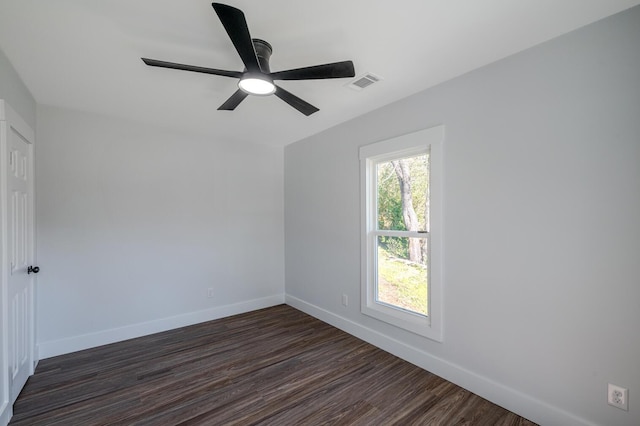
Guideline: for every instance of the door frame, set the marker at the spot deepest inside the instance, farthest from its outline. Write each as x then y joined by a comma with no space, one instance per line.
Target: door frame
10,119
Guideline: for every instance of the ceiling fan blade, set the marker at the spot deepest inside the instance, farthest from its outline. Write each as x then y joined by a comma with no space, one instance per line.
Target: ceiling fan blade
235,99
302,106
316,72
173,65
236,26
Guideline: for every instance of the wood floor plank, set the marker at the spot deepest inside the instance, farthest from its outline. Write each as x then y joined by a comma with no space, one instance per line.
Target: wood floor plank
275,366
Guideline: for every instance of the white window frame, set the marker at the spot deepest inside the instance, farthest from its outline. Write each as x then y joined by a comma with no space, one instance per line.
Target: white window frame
428,140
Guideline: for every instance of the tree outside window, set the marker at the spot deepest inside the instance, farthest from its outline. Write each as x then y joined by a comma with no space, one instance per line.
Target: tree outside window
403,205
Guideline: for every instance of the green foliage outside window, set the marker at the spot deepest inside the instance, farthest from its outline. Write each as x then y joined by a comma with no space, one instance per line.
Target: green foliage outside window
390,207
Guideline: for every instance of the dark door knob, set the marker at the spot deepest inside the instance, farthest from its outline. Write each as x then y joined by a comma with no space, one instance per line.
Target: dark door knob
33,269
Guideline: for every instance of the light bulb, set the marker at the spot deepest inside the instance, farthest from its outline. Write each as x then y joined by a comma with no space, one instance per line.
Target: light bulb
254,85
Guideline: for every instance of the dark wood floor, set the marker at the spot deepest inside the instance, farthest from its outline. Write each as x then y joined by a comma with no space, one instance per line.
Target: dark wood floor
276,366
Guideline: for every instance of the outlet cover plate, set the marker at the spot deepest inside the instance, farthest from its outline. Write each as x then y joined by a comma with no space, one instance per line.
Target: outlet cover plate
618,397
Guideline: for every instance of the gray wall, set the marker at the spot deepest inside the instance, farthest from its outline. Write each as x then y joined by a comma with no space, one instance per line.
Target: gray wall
136,223
15,93
541,234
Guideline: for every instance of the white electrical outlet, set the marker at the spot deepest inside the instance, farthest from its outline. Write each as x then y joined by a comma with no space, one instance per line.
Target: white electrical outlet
210,292
345,300
618,397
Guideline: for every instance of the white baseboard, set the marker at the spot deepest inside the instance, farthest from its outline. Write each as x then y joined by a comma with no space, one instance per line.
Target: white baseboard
509,398
5,414
76,343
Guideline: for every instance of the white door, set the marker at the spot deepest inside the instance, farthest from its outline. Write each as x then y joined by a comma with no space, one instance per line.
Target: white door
19,243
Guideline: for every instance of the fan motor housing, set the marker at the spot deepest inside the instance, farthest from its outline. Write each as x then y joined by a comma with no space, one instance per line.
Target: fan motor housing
263,52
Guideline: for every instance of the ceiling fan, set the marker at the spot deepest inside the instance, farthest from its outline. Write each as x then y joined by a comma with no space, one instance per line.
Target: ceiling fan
257,78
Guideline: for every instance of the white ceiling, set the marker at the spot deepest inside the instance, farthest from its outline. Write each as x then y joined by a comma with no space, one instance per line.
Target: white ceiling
85,54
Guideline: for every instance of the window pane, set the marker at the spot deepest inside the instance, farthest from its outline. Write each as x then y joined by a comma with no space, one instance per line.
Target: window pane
403,194
402,282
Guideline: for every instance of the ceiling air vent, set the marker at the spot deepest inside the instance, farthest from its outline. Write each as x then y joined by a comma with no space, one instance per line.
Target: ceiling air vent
363,81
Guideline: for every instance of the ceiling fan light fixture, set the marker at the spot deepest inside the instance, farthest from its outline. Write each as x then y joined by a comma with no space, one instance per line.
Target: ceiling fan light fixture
259,85
257,78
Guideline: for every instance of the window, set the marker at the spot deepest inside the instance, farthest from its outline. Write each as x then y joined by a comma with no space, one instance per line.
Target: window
401,185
